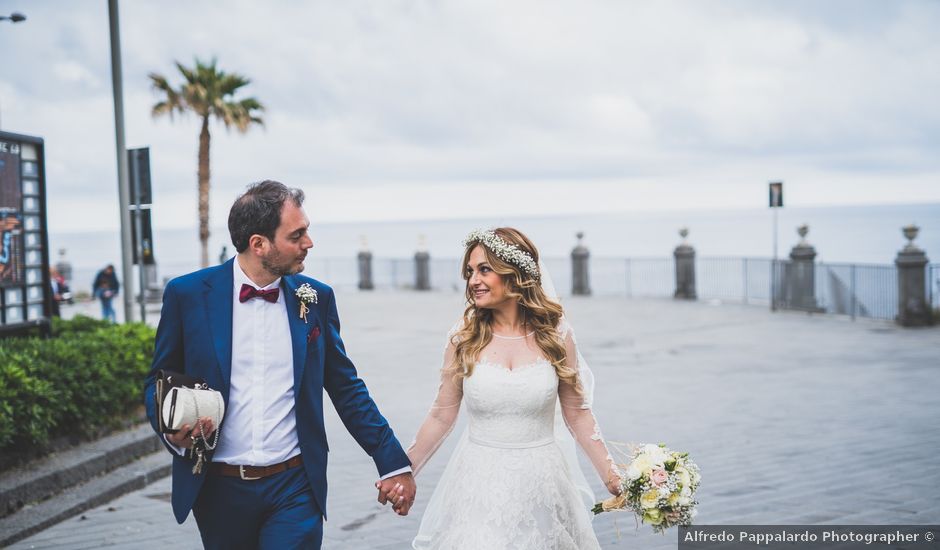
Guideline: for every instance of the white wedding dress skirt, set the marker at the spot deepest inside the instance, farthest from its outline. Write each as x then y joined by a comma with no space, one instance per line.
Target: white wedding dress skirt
508,485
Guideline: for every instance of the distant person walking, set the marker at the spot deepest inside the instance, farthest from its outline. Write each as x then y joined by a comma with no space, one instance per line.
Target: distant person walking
105,287
58,287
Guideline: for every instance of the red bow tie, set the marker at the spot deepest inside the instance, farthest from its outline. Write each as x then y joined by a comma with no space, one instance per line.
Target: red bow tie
248,292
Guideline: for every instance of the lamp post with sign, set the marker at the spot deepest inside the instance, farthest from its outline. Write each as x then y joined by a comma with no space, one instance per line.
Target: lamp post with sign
13,17
138,161
776,202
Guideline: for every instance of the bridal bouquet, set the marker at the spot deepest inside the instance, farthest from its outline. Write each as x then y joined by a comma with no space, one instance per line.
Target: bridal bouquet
659,487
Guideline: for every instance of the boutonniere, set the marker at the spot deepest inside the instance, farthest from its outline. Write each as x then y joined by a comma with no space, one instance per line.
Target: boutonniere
307,295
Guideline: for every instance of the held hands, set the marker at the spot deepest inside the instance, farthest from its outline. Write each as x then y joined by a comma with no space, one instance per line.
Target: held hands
400,490
186,435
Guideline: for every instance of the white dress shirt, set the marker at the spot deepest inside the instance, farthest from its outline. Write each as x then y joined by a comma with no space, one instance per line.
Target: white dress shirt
259,428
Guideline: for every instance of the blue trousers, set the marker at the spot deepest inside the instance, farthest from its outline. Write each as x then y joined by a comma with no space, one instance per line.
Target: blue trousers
107,310
278,511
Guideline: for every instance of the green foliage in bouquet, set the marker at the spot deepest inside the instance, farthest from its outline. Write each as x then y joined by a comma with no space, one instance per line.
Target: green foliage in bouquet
84,380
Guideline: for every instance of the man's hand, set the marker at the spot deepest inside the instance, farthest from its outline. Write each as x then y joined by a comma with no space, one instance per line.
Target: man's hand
400,490
186,435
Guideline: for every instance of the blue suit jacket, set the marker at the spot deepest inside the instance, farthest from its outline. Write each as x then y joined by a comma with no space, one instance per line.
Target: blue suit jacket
195,337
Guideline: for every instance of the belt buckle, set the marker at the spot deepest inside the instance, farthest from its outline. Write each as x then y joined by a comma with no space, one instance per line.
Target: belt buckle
241,473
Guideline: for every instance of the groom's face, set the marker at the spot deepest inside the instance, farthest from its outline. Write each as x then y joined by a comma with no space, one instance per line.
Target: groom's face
286,253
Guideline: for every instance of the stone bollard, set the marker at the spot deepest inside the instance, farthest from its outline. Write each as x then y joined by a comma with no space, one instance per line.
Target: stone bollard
800,275
685,268
911,264
365,266
580,279
422,266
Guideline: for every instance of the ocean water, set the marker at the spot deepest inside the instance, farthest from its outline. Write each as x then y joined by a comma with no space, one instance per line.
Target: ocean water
851,234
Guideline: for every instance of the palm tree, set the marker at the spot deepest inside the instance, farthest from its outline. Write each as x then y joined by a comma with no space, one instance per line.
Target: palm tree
207,91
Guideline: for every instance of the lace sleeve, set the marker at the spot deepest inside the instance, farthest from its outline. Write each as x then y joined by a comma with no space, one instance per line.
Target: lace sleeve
580,420
441,418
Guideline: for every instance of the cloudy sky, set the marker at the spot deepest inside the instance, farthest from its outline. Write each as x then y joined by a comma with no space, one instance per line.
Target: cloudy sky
432,109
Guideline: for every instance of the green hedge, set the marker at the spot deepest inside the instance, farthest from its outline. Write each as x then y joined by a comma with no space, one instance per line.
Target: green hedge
85,379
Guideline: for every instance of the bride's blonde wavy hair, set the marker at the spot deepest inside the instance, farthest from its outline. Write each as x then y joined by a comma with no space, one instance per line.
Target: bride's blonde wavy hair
540,314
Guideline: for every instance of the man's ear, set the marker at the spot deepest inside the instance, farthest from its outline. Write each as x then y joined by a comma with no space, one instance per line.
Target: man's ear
258,244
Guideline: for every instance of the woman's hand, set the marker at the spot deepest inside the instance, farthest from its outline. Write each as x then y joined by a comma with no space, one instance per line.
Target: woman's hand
614,482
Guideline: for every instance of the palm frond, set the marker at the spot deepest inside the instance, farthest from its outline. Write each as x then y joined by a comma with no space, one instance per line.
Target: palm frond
187,73
208,91
172,102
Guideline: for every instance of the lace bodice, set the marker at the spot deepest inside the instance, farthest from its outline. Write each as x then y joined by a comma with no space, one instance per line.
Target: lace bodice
511,408
510,398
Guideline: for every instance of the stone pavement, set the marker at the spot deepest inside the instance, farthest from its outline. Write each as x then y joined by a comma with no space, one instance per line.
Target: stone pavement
793,418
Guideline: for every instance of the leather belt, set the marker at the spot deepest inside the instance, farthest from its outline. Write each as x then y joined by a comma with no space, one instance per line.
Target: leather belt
251,473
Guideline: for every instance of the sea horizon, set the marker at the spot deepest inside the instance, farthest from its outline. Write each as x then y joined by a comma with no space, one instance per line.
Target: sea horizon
863,234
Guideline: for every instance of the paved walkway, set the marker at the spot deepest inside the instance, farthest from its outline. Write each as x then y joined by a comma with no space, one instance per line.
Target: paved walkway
793,418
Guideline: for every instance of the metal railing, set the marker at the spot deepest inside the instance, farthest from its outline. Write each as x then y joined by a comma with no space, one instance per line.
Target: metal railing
856,290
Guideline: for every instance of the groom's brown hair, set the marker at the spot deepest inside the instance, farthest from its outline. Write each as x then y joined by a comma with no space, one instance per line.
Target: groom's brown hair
258,211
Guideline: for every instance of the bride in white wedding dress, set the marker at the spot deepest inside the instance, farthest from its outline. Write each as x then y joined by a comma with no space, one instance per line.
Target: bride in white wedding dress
511,360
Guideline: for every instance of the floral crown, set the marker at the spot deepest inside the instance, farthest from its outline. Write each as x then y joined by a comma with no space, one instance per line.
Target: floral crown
507,252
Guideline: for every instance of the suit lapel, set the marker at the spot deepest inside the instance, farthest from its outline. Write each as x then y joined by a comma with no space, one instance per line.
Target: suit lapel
218,303
298,328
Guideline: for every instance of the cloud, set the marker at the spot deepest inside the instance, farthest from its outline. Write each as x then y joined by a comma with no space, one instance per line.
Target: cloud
445,97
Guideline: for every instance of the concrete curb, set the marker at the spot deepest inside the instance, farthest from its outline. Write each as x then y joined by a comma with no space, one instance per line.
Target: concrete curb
36,517
51,475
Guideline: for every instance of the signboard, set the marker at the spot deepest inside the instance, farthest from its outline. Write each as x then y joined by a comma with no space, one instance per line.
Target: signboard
776,194
146,245
25,293
138,167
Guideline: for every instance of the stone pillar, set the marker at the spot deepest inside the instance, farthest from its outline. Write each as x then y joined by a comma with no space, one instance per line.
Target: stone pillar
912,300
685,268
800,275
580,279
422,266
365,266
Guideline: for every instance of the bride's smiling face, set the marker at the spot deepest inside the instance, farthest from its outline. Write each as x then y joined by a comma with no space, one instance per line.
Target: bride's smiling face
486,286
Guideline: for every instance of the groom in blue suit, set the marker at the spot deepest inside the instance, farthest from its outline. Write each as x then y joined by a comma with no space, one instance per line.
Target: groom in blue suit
246,330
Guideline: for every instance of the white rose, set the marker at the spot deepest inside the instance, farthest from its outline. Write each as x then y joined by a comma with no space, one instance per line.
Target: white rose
640,465
684,477
649,499
656,454
633,474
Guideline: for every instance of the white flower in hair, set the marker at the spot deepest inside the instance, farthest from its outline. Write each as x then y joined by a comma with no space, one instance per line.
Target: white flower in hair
507,252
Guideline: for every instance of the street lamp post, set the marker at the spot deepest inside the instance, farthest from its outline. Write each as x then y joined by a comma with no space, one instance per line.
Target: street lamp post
123,184
13,17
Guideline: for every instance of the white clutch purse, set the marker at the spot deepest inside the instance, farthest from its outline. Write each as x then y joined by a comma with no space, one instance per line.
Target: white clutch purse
183,405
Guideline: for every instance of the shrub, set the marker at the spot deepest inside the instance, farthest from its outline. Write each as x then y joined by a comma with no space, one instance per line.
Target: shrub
85,379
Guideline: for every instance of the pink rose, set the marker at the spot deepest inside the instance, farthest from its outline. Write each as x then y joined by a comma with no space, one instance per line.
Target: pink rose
658,477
